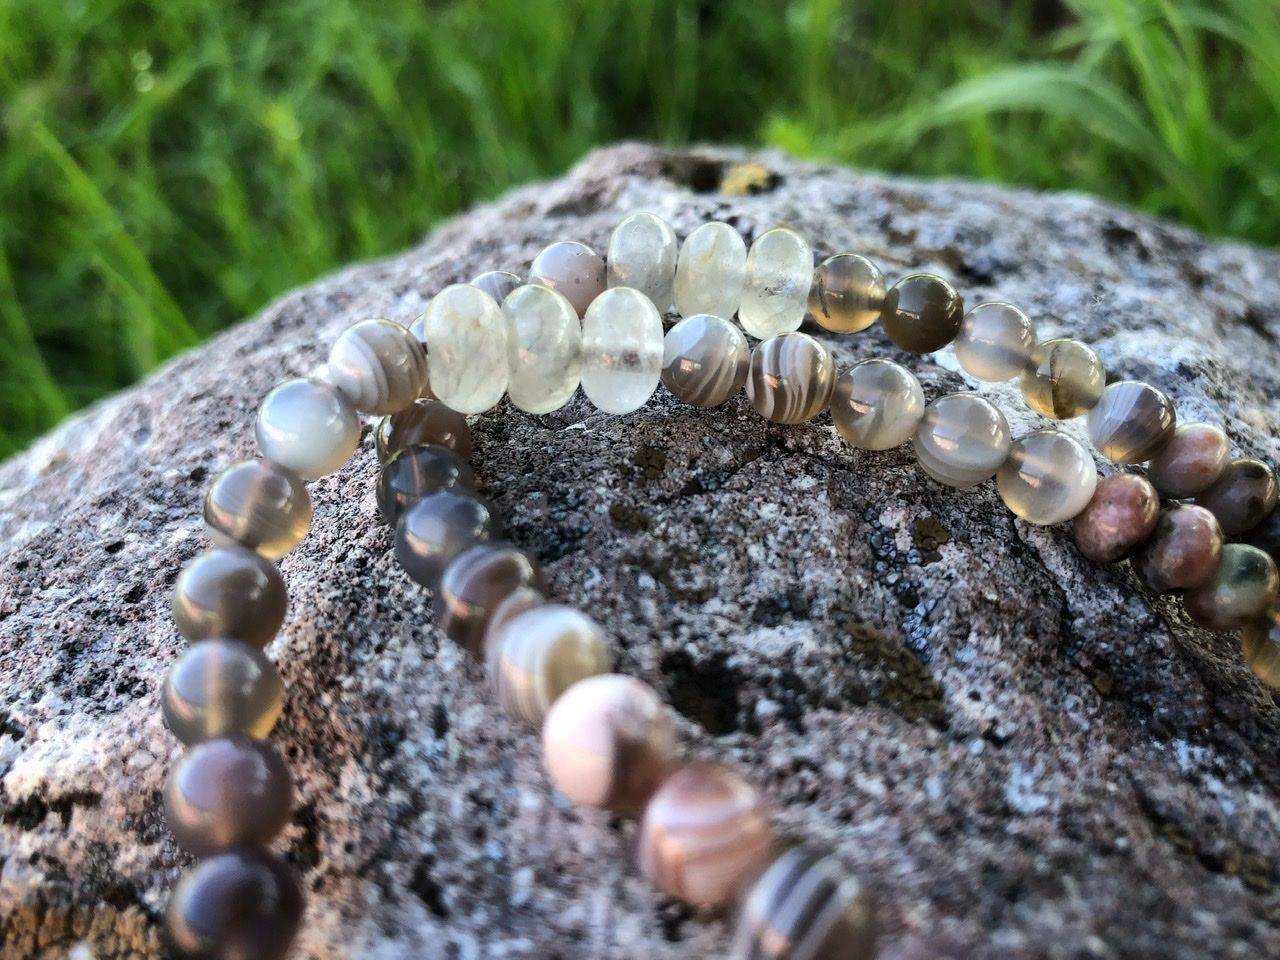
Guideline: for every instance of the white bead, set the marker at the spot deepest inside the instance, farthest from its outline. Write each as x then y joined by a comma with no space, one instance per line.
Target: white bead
642,255
466,337
775,294
378,365
621,350
544,348
1047,478
307,426
710,271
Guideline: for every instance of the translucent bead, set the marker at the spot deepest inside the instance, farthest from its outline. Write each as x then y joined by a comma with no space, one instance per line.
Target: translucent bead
259,505
922,313
307,426
621,350
877,404
1183,552
418,472
1240,589
544,348
433,531
642,255
220,687
235,906
1260,640
1242,496
1064,378
962,440
1131,422
1121,516
427,421
1191,461
791,379
705,360
1047,478
474,583
538,654
570,268
467,356
996,341
515,603
230,592
847,294
776,284
710,271
497,284
378,365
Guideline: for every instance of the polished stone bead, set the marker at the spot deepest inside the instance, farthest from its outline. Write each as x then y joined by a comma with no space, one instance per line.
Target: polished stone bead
1047,478
710,272
241,905
474,583
791,379
1191,461
877,404
378,365
230,592
996,342
1121,516
1260,641
537,655
1132,422
418,472
847,293
607,742
572,269
514,604
962,439
1240,590
922,313
427,421
1183,552
775,290
621,350
544,348
705,360
232,791
497,284
467,352
437,528
805,906
259,505
704,831
643,250
219,687
307,426
1063,378
1242,497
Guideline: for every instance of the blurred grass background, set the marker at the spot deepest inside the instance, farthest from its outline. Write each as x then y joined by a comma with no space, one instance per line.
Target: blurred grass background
166,168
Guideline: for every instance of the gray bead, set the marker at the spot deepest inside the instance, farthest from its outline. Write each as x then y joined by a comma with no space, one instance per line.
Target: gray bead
705,360
642,255
473,586
497,284
242,905
922,313
791,379
1131,422
573,269
230,592
427,421
962,439
378,365
847,294
877,404
308,426
996,341
259,505
220,687
417,472
437,528
1242,496
1063,378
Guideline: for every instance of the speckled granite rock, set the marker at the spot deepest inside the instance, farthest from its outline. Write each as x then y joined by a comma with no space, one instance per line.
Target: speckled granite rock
1025,755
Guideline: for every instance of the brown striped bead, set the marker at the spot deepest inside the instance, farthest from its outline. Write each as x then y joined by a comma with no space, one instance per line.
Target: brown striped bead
1132,422
475,582
1242,496
705,360
1183,552
259,505
427,421
792,378
378,365
1191,461
242,905
538,654
573,269
1122,515
922,313
1240,589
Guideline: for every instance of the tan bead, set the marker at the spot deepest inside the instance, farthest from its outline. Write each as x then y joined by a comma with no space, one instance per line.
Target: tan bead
1191,461
877,404
1047,478
259,505
791,379
1063,378
1132,422
996,341
1260,641
1242,496
922,313
1183,552
962,440
607,742
704,831
1120,517
537,655
572,269
379,366
1240,589
847,294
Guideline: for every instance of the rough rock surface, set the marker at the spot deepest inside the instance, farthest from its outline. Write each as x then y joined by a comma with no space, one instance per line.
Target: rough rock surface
1025,755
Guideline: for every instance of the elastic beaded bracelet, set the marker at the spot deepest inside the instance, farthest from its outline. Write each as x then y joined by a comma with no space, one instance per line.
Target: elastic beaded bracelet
608,740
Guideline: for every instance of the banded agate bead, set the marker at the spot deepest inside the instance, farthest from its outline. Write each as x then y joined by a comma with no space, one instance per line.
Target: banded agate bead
922,313
418,472
1047,478
572,269
877,404
791,379
847,293
515,603
308,426
1131,422
996,341
704,830
1183,552
433,531
621,350
538,654
230,592
710,271
544,348
1260,641
775,289
1191,461
962,440
467,359
378,365
643,250
1121,516
497,284
1063,378
1242,496
1240,589
259,505
219,687
238,905
705,360
427,421
474,583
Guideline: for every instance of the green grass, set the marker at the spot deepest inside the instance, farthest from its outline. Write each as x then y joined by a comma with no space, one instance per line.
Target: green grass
165,168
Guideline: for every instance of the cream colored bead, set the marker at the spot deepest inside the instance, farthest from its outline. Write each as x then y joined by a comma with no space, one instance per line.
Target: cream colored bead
710,271
621,350
775,289
643,251
467,352
307,426
544,348
962,439
1047,478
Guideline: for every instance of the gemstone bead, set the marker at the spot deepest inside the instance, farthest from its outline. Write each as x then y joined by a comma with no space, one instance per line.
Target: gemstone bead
474,583
1260,640
514,604
705,360
962,440
427,421
643,250
877,404
572,269
242,905
710,271
230,592
418,472
1242,497
704,830
1183,552
621,350
847,293
922,313
791,379
467,357
1241,589
378,365
307,426
537,655
259,505
996,341
1047,478
433,531
1121,516
219,687
1191,461
775,289
607,742
1063,378
544,348
1132,422
497,284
